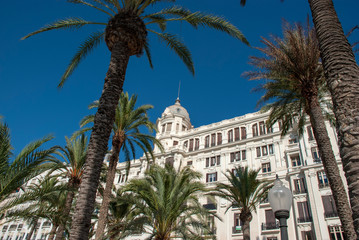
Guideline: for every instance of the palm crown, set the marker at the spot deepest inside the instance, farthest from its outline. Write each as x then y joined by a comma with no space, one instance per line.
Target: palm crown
118,27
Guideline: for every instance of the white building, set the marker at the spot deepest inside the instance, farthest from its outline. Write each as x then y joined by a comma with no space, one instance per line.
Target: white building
244,141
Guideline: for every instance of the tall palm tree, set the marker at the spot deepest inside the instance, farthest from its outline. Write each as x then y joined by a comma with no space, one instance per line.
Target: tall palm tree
295,86
125,35
244,191
15,171
169,201
71,166
127,128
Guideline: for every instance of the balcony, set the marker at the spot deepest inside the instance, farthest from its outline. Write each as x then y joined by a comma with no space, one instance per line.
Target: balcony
299,191
210,206
237,229
330,214
323,185
270,226
305,219
317,160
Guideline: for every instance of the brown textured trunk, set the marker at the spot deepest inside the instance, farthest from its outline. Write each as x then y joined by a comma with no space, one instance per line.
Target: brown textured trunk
53,231
67,209
104,119
342,74
102,220
29,235
331,168
246,218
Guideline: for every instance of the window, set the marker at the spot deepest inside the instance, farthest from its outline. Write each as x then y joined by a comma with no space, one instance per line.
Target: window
12,227
264,150
207,162
262,128
121,178
189,163
330,210
163,128
177,127
237,228
183,128
4,228
293,140
190,145
310,133
236,134
185,144
280,125
175,143
206,142
218,160
300,186
169,161
237,156
211,177
169,127
266,167
243,133
213,161
230,136
19,227
232,157
196,144
269,129
303,212
244,155
270,148
270,220
307,235
255,130
219,138
315,155
295,159
322,179
258,151
336,233
213,139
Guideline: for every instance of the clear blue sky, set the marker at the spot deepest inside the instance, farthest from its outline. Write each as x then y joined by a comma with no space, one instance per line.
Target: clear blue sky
30,70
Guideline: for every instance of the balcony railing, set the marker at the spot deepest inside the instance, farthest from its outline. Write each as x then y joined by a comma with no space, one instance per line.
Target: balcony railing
330,214
300,191
305,219
317,160
324,185
210,206
270,226
236,229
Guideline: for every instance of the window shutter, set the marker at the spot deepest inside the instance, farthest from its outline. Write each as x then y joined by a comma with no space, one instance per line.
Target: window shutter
207,162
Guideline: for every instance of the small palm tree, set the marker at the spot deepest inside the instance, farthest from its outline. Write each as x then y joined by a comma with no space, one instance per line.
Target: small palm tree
295,86
244,191
125,35
71,167
169,202
15,171
129,123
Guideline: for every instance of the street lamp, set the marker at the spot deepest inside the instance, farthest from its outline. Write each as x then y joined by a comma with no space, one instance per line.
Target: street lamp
280,199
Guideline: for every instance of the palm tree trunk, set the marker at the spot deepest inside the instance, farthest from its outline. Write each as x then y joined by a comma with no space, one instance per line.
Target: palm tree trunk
331,168
102,220
29,235
66,212
53,231
342,73
246,218
104,119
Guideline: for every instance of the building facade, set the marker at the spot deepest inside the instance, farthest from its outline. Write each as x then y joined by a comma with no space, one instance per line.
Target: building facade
242,141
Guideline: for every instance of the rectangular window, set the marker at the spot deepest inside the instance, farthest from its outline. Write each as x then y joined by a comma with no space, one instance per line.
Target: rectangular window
206,142
243,133
169,127
189,163
219,160
207,162
232,157
211,177
322,179
266,167
270,148
244,155
255,130
163,128
303,212
190,145
213,139
295,159
237,156
219,138
300,186
269,129
336,233
213,161
258,151
236,134
315,155
175,143
310,133
230,136
307,235
177,127
264,150
330,209
262,128
185,145
196,145
280,125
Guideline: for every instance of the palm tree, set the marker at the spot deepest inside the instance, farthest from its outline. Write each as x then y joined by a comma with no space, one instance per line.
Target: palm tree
125,35
15,171
169,201
71,166
129,122
245,192
295,86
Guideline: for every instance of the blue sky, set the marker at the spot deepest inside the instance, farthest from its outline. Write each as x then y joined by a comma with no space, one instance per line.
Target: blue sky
33,106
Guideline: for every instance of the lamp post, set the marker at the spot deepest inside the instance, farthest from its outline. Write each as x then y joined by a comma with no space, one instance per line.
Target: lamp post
280,199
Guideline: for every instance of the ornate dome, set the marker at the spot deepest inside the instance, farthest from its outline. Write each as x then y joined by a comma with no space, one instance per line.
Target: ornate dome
176,109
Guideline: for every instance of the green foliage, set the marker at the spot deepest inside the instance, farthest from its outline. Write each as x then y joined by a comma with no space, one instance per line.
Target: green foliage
292,76
169,201
159,19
